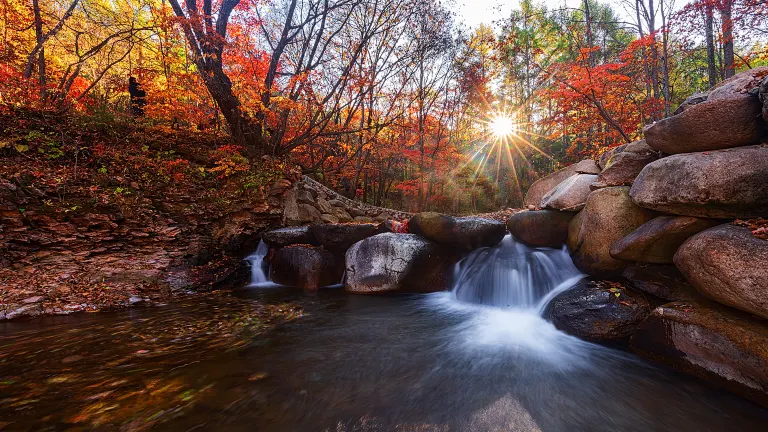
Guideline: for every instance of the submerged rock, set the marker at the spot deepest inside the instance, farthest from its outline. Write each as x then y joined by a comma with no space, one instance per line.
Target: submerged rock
608,217
719,184
711,342
571,194
657,240
729,265
540,228
389,262
598,311
305,266
466,233
339,237
543,185
288,236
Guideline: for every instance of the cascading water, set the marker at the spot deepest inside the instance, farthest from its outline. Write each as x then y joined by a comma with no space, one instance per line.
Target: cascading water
513,275
259,268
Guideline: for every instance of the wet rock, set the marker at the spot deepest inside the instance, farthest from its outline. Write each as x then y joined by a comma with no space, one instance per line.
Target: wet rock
718,184
711,342
662,281
609,216
390,262
304,266
657,240
541,228
339,237
467,233
728,264
690,101
543,185
598,311
288,236
571,194
700,127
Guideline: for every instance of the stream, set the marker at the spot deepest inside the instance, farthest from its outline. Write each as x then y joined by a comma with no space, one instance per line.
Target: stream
337,362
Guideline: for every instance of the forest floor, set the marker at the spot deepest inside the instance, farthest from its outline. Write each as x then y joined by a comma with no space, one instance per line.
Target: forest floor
91,207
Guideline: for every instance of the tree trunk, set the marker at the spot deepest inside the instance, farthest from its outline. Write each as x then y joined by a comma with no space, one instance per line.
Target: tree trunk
41,52
727,23
710,36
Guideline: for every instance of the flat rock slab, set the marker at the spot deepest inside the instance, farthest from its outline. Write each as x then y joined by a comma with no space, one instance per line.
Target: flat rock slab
288,236
718,184
711,342
729,265
339,237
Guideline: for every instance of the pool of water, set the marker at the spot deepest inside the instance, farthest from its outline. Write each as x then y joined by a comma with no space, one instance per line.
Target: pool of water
345,363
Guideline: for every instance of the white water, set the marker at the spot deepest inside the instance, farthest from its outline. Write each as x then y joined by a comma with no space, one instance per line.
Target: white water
259,268
513,275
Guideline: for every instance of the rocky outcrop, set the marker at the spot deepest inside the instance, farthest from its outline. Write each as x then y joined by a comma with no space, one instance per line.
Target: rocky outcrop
540,228
304,266
622,168
570,195
288,236
718,184
700,127
466,233
598,311
542,186
662,281
710,342
657,240
339,237
608,216
389,262
730,265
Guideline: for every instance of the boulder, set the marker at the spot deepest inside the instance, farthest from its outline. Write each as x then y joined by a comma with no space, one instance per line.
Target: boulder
540,228
342,215
363,219
308,213
741,84
700,127
719,184
690,101
324,206
599,311
465,233
570,195
339,237
288,236
543,185
662,281
329,219
763,96
657,240
303,196
622,168
606,156
728,264
609,216
390,262
304,266
714,343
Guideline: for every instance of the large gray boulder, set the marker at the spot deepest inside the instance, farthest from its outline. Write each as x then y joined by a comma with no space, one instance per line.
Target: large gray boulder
622,168
570,195
711,342
719,184
598,311
609,216
466,233
657,240
729,265
730,117
543,185
288,236
540,228
304,266
390,262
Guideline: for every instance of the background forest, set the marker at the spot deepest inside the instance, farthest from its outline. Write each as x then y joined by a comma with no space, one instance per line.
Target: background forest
391,102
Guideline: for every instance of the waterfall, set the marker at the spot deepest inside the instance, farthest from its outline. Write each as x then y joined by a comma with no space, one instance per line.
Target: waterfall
259,268
513,275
